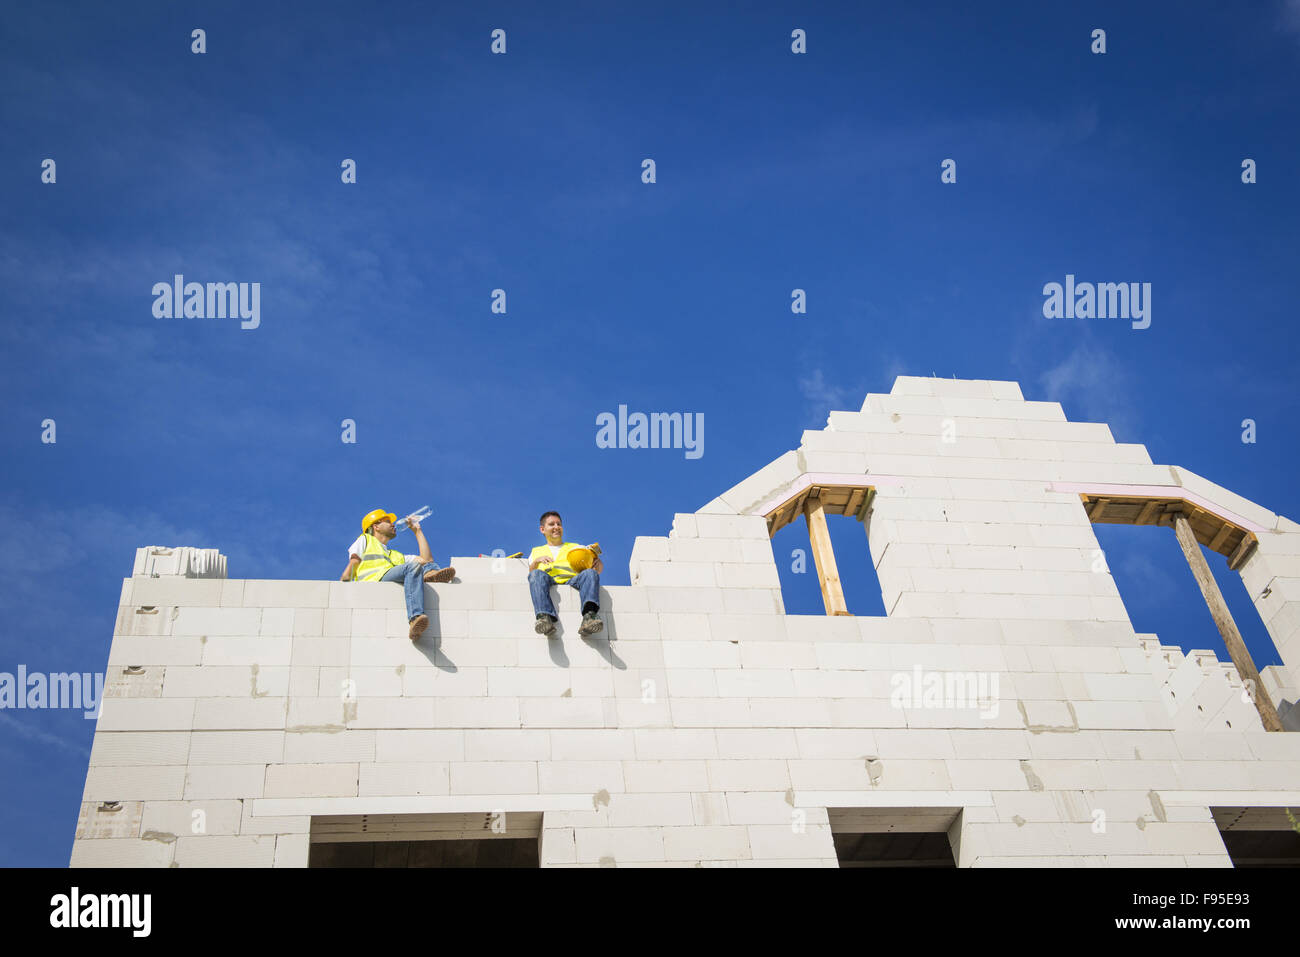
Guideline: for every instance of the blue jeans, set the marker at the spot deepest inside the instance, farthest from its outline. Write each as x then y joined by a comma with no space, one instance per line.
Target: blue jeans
411,575
587,582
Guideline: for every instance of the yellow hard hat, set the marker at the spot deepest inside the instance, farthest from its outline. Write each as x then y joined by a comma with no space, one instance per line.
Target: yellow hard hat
580,559
376,515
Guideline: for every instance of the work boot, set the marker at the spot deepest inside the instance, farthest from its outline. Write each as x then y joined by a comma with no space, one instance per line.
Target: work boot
545,625
440,575
418,624
590,624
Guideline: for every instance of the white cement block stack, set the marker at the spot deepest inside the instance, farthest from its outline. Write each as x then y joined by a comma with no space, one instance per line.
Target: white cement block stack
1005,688
1272,577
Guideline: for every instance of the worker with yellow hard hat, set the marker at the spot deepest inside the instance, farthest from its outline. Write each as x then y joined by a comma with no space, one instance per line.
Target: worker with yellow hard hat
371,560
578,566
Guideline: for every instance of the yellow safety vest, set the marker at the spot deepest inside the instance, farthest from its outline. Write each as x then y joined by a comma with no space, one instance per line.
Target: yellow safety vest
560,569
376,560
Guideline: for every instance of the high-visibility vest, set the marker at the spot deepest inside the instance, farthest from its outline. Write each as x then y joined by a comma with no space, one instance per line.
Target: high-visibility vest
560,569
376,559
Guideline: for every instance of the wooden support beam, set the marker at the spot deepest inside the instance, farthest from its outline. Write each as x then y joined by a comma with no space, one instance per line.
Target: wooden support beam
1223,619
1217,541
799,503
1243,551
1097,512
866,504
1148,513
827,572
855,500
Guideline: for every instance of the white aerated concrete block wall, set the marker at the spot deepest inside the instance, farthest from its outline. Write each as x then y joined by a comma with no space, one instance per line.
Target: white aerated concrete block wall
154,561
704,726
1272,578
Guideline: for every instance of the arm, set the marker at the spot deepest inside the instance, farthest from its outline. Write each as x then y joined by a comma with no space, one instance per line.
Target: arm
425,555
353,562
598,566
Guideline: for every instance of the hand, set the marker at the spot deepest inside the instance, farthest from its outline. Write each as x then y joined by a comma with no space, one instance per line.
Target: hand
421,560
413,524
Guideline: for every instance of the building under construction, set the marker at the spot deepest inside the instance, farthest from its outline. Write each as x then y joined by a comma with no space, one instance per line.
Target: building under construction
1003,712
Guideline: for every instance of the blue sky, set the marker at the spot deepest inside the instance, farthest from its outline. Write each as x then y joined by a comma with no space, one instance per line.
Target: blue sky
522,172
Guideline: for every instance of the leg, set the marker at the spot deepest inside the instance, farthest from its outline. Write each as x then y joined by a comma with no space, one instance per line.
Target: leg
588,585
411,575
539,586
433,572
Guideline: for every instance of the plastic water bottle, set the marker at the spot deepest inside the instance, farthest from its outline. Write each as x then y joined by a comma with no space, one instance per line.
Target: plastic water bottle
420,515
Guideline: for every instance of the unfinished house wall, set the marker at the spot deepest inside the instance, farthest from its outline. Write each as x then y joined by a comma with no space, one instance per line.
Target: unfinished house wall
705,726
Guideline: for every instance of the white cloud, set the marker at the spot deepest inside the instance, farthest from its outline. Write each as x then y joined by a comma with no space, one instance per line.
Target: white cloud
821,395
1289,16
1093,380
1145,576
86,541
25,729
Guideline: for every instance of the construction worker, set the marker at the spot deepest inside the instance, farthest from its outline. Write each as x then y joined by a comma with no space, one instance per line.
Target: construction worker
371,560
549,563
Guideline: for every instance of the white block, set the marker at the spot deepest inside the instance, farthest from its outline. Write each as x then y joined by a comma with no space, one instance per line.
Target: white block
121,852
394,713
619,845
292,850
706,843
397,780
640,810
217,622
422,746
601,745
753,775
320,652
133,749
311,780
210,781
236,747
756,743
264,652
242,851
329,748
138,783
172,818
660,776
494,777
476,713
229,714
293,594
654,744
126,651
568,777
507,745
783,842
146,714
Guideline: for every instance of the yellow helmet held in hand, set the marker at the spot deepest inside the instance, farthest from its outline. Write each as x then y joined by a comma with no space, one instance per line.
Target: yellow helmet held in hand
376,515
580,559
